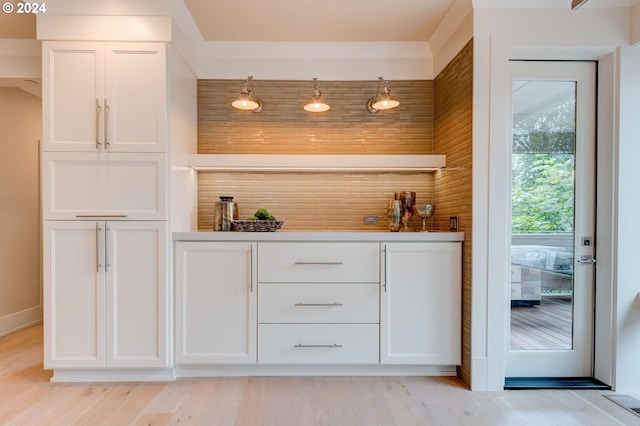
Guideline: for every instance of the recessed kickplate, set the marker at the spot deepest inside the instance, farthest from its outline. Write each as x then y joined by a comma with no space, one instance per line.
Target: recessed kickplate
627,402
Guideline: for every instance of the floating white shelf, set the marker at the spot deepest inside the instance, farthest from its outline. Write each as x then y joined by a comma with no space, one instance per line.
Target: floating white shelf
315,163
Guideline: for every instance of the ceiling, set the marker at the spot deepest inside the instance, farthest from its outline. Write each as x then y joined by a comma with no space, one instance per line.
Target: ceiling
318,21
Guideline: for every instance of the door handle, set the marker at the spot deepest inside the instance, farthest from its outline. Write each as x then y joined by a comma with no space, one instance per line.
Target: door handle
586,259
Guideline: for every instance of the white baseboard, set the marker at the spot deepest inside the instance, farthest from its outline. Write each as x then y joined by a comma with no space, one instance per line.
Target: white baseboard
19,320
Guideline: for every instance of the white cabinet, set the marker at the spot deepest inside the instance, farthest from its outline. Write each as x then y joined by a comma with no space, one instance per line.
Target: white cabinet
420,316
215,303
78,185
105,294
104,97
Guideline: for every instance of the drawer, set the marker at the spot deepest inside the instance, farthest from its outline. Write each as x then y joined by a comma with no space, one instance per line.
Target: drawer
78,185
318,303
318,344
285,262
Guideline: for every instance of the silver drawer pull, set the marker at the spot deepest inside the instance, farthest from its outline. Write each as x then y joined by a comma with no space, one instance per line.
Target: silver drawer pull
319,304
99,215
319,263
300,345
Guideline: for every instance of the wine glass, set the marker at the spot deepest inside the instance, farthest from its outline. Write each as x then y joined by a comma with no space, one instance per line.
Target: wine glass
424,211
408,200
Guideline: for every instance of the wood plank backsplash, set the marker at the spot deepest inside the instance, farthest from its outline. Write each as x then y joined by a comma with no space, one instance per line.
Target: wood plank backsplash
283,127
313,201
333,201
453,186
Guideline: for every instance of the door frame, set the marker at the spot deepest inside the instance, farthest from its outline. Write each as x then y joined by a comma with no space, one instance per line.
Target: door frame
491,167
578,361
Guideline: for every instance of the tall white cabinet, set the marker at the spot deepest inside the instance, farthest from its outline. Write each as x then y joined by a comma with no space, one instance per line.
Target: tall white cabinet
420,303
104,197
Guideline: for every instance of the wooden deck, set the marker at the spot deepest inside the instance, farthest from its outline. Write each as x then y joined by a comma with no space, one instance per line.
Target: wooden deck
546,326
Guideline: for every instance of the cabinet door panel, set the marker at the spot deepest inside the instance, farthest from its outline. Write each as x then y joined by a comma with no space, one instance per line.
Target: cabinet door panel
72,83
74,328
136,292
215,303
135,98
104,184
421,304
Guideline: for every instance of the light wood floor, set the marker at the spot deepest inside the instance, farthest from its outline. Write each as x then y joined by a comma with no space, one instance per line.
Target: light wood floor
28,398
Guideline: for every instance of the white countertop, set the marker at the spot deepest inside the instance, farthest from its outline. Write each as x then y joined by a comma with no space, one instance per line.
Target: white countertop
319,236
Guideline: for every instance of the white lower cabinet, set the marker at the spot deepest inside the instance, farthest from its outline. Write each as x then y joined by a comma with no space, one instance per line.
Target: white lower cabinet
280,304
215,303
420,303
105,294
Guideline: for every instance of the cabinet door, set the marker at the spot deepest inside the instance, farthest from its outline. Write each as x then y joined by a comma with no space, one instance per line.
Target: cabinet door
72,96
421,304
81,184
104,97
215,303
74,329
135,98
136,294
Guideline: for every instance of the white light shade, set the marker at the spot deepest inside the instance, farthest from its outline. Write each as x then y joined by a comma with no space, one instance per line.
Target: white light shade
385,102
316,104
245,101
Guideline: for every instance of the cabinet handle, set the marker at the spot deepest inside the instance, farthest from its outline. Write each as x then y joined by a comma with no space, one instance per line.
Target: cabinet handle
106,247
98,113
98,265
251,269
319,263
300,345
319,304
386,269
106,125
100,215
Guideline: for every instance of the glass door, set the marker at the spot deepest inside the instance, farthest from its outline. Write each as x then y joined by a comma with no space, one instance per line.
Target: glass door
552,219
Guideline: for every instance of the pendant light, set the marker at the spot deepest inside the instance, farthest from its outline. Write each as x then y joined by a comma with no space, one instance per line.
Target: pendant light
382,100
246,100
316,104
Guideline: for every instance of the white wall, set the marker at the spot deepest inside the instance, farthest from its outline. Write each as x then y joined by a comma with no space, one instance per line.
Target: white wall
627,334
20,131
500,35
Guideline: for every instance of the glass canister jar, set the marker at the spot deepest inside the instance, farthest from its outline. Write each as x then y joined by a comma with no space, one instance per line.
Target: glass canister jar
224,212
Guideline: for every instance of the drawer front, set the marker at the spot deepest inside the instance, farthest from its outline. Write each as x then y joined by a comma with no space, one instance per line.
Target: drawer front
318,344
318,303
318,262
126,186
